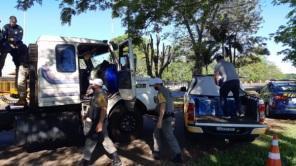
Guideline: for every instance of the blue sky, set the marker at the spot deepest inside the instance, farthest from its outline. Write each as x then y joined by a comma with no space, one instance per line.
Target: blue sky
44,19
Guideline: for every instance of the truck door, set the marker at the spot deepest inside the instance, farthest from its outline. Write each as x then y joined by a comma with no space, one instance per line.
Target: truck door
126,74
58,76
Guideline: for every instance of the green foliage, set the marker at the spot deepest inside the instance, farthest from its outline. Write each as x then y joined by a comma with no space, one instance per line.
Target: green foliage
286,34
178,72
290,76
262,70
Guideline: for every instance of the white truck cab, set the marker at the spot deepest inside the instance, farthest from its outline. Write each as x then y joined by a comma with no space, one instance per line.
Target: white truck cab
59,73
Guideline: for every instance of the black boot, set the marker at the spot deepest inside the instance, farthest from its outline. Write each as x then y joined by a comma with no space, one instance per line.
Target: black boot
156,155
177,158
116,160
84,162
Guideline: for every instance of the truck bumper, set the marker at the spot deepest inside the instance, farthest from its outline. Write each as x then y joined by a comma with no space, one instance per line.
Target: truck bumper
226,129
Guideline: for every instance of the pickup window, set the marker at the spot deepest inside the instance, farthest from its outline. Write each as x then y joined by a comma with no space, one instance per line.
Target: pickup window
65,58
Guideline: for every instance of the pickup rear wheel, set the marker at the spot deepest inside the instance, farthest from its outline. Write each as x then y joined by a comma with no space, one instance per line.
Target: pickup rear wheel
124,125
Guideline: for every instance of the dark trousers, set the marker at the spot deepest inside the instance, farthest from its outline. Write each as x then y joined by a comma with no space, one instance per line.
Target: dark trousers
234,87
18,51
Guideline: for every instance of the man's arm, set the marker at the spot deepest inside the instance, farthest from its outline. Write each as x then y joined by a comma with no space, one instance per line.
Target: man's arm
5,32
216,77
103,104
161,114
161,102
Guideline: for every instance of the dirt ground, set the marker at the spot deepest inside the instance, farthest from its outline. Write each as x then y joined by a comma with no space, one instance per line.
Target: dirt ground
138,152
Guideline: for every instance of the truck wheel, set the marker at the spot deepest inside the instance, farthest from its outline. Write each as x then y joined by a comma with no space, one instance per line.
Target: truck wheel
124,125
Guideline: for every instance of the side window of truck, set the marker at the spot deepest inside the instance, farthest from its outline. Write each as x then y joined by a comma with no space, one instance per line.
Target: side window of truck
65,58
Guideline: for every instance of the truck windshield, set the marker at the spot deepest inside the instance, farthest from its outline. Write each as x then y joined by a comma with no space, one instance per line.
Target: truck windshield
97,59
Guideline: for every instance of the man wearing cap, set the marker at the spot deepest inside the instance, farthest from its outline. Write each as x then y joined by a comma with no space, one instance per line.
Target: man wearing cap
12,43
226,77
164,123
98,132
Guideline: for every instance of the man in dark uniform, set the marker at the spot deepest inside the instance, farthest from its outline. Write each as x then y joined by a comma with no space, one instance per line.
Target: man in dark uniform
98,131
12,43
164,123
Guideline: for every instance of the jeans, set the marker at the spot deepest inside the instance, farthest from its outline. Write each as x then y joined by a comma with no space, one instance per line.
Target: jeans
168,133
234,87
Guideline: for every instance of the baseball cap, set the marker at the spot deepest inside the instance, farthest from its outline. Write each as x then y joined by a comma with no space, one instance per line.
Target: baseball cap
96,81
156,81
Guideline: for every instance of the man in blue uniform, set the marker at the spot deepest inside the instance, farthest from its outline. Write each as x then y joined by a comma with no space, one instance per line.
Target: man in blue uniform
12,43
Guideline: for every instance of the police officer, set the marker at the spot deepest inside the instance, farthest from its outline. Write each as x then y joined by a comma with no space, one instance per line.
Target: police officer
12,43
226,77
98,132
164,123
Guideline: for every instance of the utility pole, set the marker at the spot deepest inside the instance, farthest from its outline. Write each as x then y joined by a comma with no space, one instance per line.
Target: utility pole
25,26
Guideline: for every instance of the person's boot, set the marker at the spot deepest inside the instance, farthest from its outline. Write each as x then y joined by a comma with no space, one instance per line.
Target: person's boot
156,155
177,158
22,100
84,162
116,160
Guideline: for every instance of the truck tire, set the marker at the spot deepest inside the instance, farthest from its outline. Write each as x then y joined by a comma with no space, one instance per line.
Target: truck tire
124,125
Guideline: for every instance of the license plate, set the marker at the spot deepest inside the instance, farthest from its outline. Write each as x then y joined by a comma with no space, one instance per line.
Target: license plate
227,129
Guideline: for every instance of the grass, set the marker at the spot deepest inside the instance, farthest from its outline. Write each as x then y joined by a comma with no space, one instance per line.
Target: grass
256,153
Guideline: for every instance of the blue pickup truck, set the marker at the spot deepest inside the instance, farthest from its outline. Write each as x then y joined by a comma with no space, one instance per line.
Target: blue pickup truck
203,114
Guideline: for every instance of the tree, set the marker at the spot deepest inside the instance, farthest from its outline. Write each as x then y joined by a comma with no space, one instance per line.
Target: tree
157,59
286,34
190,15
234,26
178,71
69,8
262,70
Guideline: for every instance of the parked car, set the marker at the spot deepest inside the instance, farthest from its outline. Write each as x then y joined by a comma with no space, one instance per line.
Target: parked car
203,114
279,97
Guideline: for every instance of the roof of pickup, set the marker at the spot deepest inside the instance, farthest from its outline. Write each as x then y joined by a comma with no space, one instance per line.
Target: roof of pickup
49,38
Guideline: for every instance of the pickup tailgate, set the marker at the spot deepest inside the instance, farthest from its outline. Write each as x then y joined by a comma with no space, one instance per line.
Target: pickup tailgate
226,127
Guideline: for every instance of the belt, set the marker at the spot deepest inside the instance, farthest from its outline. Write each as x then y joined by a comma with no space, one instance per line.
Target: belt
168,115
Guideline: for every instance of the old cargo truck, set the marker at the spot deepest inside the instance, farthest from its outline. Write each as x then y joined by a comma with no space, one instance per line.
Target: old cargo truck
59,69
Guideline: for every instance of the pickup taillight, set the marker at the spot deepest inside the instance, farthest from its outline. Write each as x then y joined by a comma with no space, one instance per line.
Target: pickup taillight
261,110
190,111
280,97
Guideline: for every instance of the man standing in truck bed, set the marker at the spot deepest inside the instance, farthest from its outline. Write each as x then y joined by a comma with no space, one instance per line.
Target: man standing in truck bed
12,43
98,132
226,77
